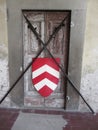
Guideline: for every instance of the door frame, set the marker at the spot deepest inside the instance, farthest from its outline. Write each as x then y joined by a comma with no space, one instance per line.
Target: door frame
29,95
78,12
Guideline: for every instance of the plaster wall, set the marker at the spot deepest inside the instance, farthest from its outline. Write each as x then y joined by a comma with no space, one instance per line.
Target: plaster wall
89,82
4,79
3,21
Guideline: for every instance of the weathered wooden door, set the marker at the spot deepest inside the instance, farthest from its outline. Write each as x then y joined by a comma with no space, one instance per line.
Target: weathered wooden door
45,23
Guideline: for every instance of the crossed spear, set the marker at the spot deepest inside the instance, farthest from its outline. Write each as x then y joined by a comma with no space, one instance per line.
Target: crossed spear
55,31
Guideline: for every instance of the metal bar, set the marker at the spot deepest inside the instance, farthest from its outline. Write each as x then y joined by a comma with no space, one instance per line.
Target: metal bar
51,36
44,46
64,74
11,88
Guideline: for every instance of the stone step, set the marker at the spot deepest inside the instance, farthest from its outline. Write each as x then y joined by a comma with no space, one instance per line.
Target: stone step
29,121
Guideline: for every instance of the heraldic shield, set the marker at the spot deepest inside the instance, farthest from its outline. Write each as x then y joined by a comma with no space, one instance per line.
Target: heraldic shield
45,75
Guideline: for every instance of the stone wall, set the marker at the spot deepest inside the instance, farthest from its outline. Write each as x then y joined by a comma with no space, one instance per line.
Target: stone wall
89,82
4,81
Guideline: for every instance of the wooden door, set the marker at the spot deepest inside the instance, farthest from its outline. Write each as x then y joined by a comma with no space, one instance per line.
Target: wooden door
45,23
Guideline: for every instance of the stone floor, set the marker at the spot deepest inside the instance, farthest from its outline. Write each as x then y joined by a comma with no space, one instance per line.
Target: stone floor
75,120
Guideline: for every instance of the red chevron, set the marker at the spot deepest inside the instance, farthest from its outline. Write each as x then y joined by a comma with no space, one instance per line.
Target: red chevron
45,91
46,79
49,61
45,75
